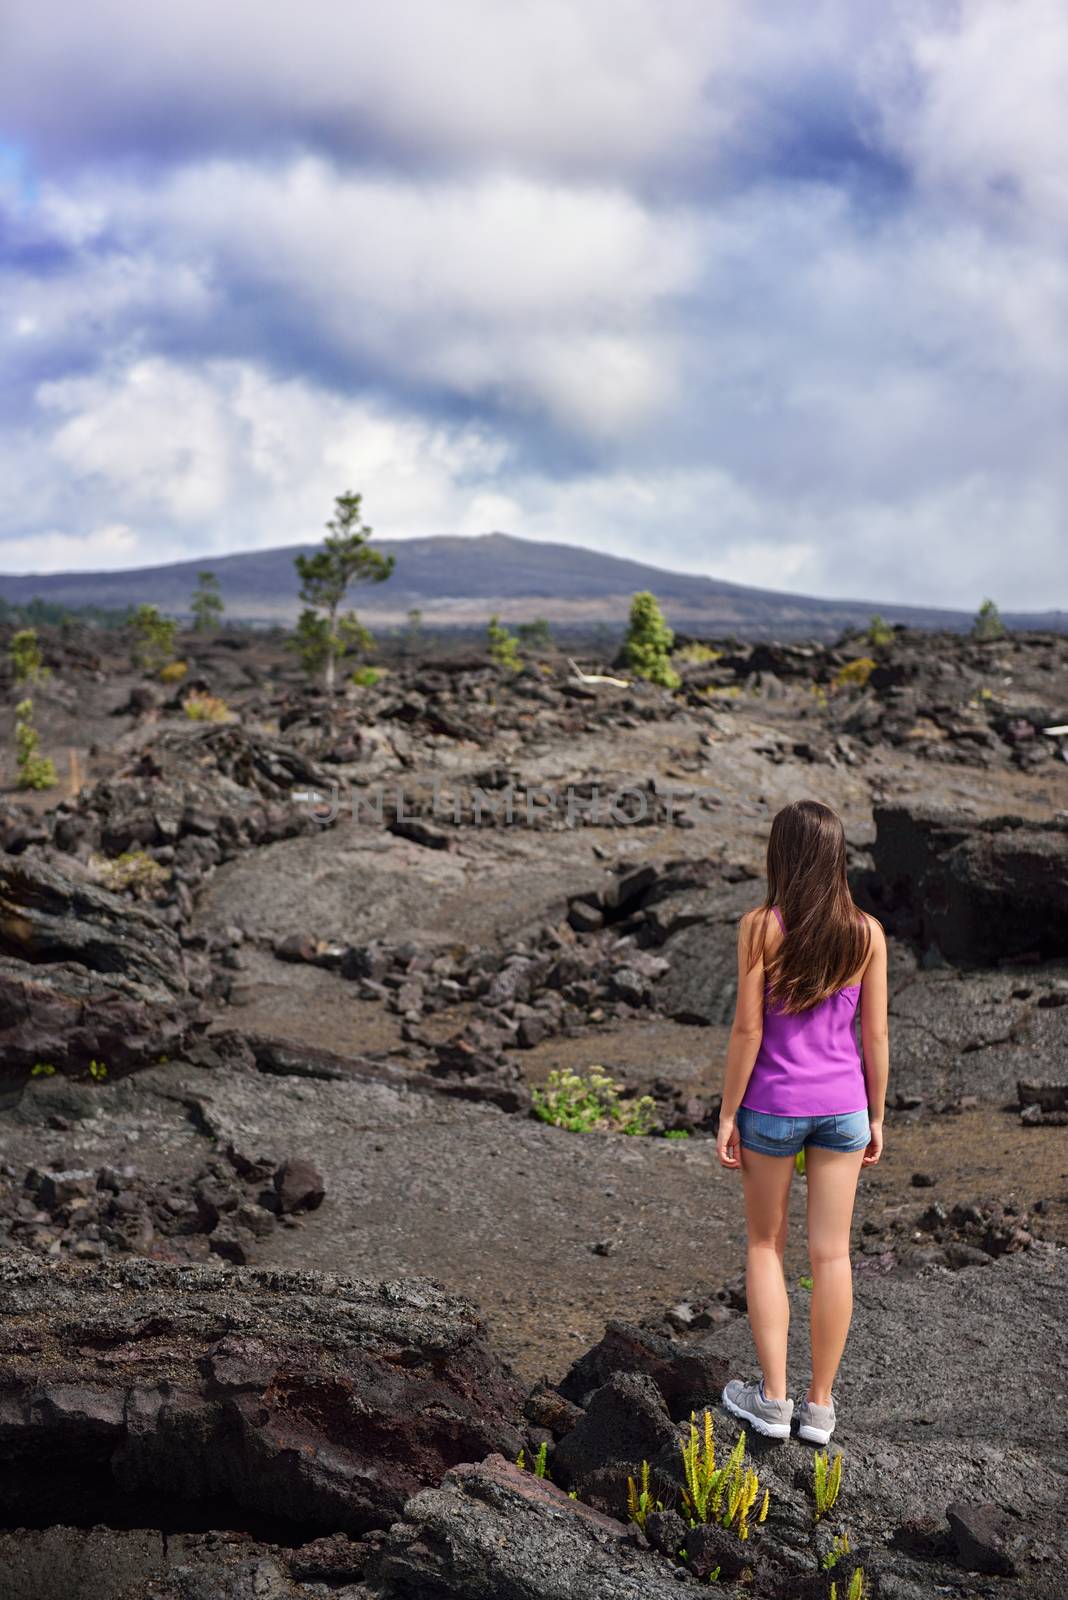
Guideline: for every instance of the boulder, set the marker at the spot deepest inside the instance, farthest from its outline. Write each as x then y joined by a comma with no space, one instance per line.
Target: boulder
979,890
494,1532
312,1400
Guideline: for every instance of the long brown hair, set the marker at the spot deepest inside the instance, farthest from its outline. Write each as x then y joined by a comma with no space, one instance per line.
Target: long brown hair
827,939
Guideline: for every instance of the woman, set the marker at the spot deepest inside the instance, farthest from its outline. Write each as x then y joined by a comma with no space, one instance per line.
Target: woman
808,959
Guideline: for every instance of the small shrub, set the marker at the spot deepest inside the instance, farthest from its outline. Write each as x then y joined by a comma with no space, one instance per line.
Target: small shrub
697,654
988,624
42,1069
536,635
640,1501
580,1104
97,1071
826,1481
173,672
133,869
648,642
26,659
34,771
819,694
207,604
880,632
503,647
855,674
365,677
154,637
200,707
677,1133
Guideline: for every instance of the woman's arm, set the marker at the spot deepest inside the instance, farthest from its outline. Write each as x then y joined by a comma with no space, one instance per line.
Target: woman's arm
875,1037
746,1034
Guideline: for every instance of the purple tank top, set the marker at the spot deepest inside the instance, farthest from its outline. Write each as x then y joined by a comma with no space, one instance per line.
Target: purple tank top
809,1064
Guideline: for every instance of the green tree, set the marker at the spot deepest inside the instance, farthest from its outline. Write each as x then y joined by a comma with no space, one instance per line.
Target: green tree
413,633
154,637
648,642
324,635
207,606
35,771
535,635
26,658
502,645
879,632
988,623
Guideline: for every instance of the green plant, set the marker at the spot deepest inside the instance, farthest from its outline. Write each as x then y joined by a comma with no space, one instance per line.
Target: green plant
35,772
502,645
42,1069
580,1104
708,1487
640,1500
154,637
540,1468
323,635
648,642
133,869
676,1133
536,635
697,654
839,1548
97,1071
805,1283
207,605
799,1163
879,632
365,677
858,1588
413,633
819,694
26,659
826,1481
855,673
988,624
200,707
173,672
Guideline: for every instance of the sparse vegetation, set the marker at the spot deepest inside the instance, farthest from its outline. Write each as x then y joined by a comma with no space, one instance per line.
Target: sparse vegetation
502,645
173,672
648,642
365,677
26,659
413,633
879,633
697,654
97,1071
207,604
324,635
858,1588
726,1493
154,637
799,1163
988,624
42,1069
134,870
826,1481
839,1548
536,635
540,1469
855,674
580,1104
201,707
34,771
640,1500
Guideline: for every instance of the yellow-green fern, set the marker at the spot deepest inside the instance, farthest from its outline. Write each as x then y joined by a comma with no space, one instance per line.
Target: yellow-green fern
827,1480
640,1501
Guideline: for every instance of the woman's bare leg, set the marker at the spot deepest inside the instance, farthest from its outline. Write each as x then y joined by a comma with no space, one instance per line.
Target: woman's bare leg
766,1184
831,1180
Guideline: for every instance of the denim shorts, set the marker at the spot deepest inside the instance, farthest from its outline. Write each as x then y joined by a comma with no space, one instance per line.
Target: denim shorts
773,1135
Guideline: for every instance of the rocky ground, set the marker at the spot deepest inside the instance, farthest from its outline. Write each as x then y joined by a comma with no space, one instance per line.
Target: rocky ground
289,1271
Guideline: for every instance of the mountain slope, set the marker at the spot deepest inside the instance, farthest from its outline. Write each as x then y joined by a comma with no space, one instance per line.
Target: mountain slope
454,580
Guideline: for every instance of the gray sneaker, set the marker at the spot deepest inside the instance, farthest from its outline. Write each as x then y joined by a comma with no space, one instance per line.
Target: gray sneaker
748,1401
815,1423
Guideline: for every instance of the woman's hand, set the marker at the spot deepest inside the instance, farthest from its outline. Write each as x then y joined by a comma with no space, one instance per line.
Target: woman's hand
875,1145
727,1146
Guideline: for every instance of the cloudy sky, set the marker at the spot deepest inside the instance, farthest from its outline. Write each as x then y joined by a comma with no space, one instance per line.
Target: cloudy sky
769,289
